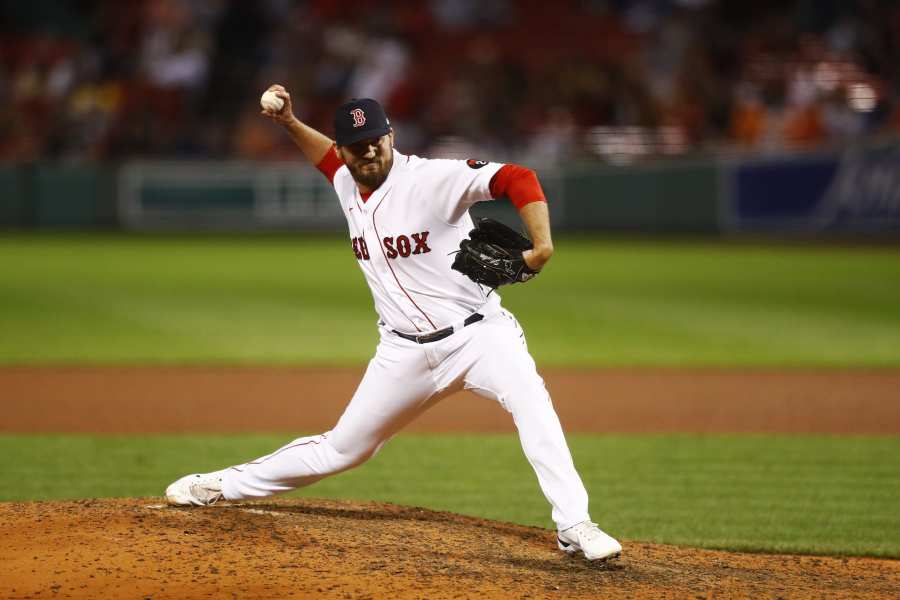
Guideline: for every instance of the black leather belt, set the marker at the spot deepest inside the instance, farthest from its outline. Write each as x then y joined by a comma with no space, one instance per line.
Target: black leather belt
440,333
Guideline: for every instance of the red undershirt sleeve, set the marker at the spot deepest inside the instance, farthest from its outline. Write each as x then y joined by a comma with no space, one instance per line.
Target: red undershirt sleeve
329,165
517,183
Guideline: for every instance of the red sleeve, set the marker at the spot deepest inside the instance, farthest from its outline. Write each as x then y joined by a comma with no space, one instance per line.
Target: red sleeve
518,184
329,164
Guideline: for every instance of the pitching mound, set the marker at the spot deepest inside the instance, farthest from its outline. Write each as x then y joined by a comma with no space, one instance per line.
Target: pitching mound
319,548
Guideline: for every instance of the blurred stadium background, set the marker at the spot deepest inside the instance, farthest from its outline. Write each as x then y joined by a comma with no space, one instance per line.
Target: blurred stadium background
663,131
640,115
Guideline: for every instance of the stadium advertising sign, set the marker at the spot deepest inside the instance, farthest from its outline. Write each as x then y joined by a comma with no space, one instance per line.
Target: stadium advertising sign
856,191
865,192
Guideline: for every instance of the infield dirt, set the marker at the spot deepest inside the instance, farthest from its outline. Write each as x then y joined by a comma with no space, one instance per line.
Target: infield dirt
210,399
138,548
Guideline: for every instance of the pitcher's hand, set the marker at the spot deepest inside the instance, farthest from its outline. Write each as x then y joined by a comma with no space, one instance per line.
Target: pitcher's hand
285,116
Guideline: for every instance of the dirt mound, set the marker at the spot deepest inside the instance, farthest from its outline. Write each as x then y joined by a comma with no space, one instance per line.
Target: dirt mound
322,548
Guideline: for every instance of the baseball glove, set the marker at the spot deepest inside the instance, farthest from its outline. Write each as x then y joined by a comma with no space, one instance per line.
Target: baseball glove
492,255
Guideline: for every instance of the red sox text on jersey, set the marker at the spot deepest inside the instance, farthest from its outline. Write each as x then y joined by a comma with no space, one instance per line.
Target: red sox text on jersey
416,243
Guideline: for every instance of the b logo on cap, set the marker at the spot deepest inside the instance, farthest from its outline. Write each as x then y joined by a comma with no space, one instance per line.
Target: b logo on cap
359,117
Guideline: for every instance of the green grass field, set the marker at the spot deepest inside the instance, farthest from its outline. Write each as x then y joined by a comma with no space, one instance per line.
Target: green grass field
758,493
120,299
112,299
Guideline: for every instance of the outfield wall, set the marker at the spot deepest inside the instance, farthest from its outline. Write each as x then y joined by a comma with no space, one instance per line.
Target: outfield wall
856,190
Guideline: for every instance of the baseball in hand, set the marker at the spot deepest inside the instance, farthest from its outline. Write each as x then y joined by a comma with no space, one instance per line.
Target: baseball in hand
270,101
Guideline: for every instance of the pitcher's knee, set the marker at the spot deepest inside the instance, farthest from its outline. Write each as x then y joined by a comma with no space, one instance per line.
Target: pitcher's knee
533,397
347,458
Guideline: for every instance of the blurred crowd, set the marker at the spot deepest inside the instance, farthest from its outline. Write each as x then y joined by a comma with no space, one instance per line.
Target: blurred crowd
528,80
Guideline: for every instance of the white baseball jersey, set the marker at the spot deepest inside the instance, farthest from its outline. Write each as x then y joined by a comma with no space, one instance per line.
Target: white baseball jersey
404,236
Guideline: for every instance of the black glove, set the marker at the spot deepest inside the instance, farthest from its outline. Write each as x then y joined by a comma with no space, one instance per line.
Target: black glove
492,255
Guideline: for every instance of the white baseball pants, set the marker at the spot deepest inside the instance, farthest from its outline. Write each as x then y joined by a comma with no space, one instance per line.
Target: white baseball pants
404,378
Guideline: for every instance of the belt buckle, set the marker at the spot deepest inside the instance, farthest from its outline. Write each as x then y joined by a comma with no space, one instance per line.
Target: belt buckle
434,336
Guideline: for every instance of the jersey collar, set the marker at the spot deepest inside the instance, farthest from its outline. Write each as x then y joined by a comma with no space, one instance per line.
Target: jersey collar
399,159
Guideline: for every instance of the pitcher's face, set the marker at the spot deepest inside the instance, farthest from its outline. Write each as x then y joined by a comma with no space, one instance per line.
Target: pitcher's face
369,161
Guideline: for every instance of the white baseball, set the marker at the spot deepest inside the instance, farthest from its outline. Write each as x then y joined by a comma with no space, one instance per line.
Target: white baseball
270,101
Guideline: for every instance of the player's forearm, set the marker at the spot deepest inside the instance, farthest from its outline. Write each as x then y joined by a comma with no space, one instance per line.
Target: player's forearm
536,217
311,142
523,189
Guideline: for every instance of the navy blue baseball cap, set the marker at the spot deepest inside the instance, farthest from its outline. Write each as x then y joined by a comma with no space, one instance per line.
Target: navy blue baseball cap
359,119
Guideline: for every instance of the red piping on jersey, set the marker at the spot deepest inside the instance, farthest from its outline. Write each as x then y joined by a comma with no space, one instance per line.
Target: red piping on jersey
388,262
328,166
517,183
277,452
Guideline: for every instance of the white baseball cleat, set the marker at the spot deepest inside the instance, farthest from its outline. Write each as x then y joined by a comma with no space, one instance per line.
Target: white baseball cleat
589,539
199,489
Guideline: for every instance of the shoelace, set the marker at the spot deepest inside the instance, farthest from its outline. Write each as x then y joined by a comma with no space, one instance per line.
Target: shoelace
587,530
209,495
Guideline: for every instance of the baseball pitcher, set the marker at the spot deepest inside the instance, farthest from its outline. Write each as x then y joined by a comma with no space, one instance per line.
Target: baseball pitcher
432,272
